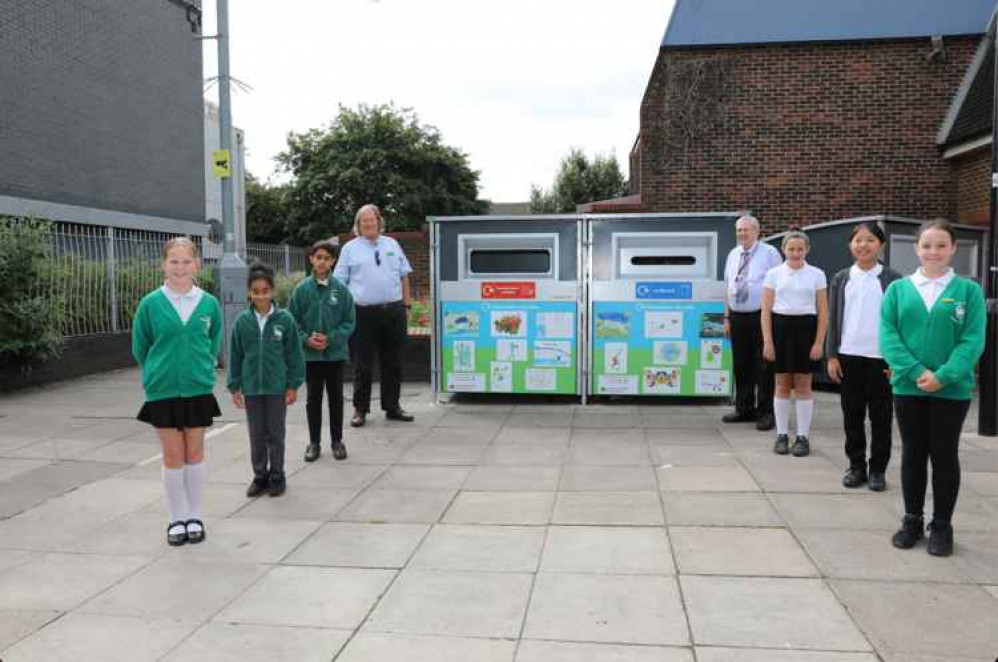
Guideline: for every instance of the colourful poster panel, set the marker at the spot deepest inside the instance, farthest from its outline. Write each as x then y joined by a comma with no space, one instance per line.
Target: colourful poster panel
509,347
667,348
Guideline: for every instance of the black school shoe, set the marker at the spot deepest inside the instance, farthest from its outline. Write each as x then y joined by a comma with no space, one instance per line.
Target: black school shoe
912,530
256,488
782,445
180,537
196,536
765,423
854,478
878,482
802,446
278,486
339,450
738,417
399,415
313,452
940,538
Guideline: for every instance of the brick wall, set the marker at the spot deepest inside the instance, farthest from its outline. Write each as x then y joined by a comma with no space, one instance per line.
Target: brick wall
101,105
801,133
971,175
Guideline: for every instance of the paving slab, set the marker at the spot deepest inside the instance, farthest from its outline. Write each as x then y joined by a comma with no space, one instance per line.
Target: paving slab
336,476
609,452
463,604
299,596
720,509
556,651
503,478
304,503
763,612
870,555
601,478
761,552
694,456
256,540
95,638
533,436
63,581
396,506
607,608
480,548
706,479
376,647
177,587
429,477
607,550
709,654
608,508
241,642
837,511
350,545
523,508
16,624
925,619
10,467
526,454
31,488
427,453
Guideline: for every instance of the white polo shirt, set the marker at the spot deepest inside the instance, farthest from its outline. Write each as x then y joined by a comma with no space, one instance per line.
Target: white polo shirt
931,288
764,257
184,302
795,290
861,314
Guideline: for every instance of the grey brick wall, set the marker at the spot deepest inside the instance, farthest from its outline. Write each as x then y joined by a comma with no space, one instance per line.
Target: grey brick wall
101,106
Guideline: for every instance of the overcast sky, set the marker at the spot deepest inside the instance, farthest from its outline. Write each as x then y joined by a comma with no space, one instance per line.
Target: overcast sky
513,83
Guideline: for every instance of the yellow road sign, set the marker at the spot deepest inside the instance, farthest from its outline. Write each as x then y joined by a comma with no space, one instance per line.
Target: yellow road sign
221,163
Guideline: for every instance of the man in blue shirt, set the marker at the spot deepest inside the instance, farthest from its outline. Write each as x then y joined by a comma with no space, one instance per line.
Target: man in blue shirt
376,271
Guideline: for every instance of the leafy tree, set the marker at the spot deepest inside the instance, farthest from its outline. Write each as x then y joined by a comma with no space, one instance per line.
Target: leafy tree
578,181
379,154
267,212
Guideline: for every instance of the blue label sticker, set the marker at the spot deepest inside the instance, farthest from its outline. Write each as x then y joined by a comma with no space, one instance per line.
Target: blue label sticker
663,290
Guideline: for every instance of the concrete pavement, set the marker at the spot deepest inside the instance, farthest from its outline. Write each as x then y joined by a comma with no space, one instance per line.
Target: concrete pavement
493,533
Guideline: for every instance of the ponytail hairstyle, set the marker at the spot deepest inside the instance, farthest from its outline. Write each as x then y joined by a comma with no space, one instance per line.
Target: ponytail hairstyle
260,271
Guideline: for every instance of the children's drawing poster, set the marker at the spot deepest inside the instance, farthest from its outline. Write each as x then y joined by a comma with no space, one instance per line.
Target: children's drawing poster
661,348
509,347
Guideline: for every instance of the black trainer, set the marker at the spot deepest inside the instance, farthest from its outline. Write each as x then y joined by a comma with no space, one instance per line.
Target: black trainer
940,538
854,477
878,482
801,447
912,530
313,452
782,445
339,450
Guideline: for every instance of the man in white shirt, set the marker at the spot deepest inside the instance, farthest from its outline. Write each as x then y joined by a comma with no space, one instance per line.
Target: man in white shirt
744,271
376,271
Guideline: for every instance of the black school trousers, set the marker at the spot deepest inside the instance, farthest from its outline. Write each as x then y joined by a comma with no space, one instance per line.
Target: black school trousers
754,377
324,376
866,389
930,432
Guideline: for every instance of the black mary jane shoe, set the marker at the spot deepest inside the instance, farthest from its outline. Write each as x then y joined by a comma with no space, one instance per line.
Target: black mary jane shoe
194,537
176,539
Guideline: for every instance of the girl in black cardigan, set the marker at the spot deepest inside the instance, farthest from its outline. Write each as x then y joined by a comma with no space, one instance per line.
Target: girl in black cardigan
854,358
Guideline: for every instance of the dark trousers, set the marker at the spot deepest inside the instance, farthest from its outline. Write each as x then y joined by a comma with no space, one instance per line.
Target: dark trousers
380,332
754,379
865,388
265,415
326,375
930,431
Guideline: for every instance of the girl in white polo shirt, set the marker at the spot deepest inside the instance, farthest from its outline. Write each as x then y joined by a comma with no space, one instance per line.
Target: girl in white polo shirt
794,320
855,360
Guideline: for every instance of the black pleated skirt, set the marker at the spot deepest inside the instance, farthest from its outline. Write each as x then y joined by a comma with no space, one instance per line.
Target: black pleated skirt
793,336
181,413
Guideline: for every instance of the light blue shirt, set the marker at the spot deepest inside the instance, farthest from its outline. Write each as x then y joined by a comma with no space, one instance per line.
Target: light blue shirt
764,257
372,270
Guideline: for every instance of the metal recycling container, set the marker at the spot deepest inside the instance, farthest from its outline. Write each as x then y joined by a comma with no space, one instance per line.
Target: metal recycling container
507,293
656,304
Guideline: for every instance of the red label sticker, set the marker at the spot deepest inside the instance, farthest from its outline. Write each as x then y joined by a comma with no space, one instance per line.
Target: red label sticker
509,290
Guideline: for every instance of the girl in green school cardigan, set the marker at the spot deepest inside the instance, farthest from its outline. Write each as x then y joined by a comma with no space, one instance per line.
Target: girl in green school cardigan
931,335
176,337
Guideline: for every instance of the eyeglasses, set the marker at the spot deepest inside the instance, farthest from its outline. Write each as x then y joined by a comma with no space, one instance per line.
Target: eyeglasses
377,258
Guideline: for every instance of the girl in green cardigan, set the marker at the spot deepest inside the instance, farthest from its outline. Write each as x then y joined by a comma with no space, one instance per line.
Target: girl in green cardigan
176,337
931,335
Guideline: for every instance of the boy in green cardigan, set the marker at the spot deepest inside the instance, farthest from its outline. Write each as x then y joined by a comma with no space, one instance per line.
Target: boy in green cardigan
932,334
324,310
265,371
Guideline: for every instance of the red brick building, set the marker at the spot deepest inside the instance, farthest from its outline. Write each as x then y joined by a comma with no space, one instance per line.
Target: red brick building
807,110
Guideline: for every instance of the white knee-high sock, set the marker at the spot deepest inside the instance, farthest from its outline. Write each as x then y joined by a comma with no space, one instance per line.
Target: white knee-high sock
176,494
194,480
804,411
781,412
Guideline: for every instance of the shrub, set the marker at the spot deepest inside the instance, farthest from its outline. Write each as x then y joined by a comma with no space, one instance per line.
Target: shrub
30,319
285,285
